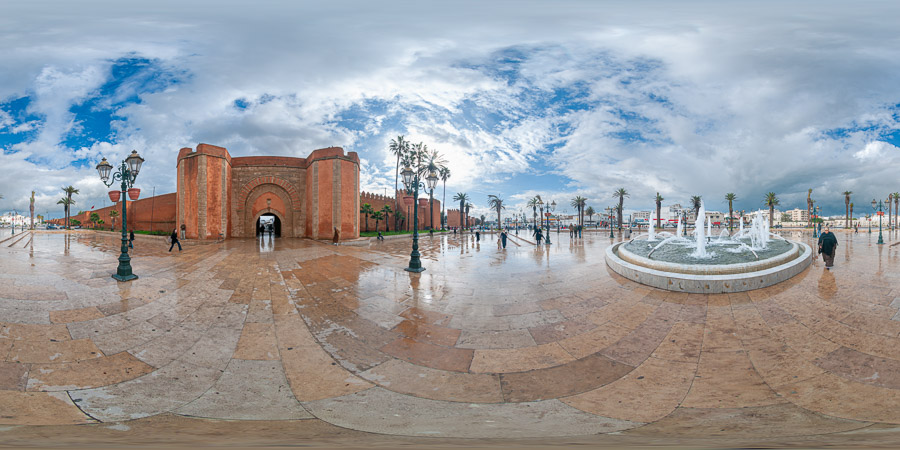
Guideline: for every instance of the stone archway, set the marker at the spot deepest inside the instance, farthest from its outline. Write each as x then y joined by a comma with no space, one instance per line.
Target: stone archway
268,198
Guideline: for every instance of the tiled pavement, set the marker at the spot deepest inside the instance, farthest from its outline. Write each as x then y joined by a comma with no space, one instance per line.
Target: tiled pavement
486,343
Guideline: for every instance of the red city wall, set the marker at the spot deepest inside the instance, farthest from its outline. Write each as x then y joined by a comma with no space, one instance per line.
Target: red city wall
378,201
147,214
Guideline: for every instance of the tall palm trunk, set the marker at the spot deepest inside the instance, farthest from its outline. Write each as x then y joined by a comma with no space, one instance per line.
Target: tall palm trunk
444,205
396,196
847,218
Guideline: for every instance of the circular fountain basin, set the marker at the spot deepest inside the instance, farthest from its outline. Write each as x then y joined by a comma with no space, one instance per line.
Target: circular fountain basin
709,277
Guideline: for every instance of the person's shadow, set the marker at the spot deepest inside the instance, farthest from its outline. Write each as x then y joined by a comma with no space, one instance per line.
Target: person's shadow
827,285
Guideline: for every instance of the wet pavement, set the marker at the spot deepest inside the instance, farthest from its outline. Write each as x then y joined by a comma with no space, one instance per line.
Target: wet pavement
487,343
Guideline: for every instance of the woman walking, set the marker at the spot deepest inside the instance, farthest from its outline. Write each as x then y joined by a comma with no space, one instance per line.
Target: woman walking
827,246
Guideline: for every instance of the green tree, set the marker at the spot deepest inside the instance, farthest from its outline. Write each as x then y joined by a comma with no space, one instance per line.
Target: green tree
398,147
620,193
113,214
730,198
401,219
377,215
66,204
367,210
444,173
579,203
896,208
659,200
94,218
496,203
69,191
771,201
590,212
847,204
386,211
695,202
809,207
534,202
462,198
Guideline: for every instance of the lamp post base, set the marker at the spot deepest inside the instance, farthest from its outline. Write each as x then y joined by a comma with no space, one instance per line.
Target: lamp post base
416,270
124,277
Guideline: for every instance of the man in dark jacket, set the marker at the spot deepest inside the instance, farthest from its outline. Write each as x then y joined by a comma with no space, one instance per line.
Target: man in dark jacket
131,239
827,246
174,240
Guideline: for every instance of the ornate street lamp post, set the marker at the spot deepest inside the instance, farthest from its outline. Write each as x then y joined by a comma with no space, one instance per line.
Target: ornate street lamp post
611,235
128,172
879,208
412,184
550,208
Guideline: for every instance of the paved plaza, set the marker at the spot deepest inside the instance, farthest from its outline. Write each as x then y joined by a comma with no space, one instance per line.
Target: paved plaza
278,341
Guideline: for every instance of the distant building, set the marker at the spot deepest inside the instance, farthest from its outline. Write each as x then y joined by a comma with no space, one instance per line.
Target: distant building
799,215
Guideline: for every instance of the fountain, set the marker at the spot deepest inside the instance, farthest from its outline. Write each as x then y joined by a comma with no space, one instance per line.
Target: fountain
752,258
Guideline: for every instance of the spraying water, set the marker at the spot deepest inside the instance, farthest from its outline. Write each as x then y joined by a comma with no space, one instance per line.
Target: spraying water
679,230
709,226
741,230
700,233
651,233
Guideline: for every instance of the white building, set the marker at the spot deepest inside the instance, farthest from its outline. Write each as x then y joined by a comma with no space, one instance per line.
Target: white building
799,215
12,218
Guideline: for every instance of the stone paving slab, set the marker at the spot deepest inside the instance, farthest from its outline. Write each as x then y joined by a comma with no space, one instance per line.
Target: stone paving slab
493,343
378,410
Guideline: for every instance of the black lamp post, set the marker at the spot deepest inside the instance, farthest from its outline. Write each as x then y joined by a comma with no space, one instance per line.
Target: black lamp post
412,184
611,234
128,172
550,208
879,207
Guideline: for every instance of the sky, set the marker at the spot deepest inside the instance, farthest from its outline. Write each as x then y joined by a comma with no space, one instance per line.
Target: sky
522,97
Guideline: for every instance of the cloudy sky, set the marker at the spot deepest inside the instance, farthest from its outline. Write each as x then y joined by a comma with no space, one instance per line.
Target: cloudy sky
556,98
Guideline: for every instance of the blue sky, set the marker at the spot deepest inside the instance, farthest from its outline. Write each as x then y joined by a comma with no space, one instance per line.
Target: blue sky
523,98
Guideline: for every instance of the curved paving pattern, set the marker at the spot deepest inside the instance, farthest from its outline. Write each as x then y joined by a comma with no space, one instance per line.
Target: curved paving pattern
486,343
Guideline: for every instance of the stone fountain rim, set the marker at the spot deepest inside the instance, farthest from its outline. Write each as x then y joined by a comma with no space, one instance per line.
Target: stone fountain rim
708,284
710,269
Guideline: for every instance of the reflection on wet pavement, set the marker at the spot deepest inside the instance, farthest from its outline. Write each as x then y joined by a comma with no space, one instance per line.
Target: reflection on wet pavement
491,343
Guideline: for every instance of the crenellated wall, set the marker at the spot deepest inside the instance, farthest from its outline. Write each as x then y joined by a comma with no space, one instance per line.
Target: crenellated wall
220,195
378,201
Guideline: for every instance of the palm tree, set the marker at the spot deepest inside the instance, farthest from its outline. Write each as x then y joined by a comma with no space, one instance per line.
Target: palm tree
896,208
366,209
462,198
890,197
695,202
809,206
659,200
496,203
730,197
533,203
434,162
66,203
590,212
482,219
113,214
401,218
579,203
386,211
851,214
847,204
444,173
621,193
399,147
771,201
70,191
377,215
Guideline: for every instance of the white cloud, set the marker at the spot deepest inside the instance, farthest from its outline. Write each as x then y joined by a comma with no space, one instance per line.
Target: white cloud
725,96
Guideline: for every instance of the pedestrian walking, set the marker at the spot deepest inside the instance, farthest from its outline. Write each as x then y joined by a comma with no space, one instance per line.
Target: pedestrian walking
131,239
538,235
380,237
827,247
174,240
579,231
503,239
571,232
336,239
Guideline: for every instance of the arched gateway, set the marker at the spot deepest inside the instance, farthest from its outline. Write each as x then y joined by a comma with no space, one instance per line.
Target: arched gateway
220,195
